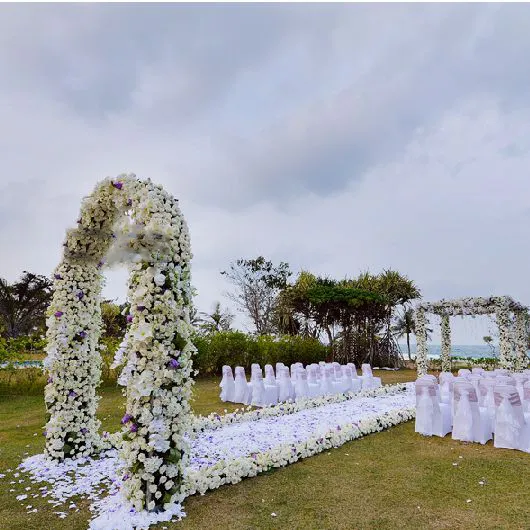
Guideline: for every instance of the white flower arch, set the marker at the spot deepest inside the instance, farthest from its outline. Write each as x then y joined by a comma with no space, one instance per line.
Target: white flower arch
130,220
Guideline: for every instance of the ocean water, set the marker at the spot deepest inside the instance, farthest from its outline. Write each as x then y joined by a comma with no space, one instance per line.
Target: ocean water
471,351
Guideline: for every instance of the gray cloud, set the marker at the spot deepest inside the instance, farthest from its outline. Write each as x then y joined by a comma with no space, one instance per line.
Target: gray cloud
337,137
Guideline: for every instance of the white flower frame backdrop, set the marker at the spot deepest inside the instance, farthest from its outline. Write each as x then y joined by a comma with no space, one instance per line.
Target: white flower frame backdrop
125,219
512,354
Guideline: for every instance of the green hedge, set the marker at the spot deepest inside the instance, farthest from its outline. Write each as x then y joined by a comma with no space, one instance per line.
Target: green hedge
235,348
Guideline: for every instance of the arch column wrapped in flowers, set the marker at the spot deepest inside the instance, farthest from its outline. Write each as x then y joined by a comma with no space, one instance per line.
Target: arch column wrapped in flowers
137,222
512,355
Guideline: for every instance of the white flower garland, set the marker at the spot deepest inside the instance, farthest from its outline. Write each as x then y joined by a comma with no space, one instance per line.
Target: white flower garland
521,358
215,421
421,342
234,470
446,344
152,234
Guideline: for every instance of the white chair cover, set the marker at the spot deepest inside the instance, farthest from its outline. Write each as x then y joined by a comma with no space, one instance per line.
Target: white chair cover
520,380
369,381
347,379
469,423
432,417
447,380
258,390
270,379
228,386
286,389
301,388
463,372
477,370
272,389
313,384
326,381
241,393
357,382
526,397
510,427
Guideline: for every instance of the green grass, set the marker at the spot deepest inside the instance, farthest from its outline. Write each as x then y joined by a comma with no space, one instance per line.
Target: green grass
393,479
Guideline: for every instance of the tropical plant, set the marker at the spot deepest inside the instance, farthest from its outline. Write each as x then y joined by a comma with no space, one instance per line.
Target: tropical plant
217,320
23,304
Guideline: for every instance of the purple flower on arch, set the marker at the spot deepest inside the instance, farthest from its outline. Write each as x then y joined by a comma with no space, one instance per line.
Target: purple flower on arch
82,334
50,380
100,264
57,276
58,314
118,185
84,430
129,319
129,202
140,307
173,363
126,419
80,295
133,428
72,394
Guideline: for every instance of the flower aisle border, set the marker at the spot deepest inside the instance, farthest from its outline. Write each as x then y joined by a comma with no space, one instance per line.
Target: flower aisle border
234,470
86,476
215,421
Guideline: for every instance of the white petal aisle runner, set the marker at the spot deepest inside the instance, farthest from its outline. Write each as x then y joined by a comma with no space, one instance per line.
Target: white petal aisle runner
224,455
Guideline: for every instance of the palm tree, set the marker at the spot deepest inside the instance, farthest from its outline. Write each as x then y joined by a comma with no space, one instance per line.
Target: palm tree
406,325
216,321
23,304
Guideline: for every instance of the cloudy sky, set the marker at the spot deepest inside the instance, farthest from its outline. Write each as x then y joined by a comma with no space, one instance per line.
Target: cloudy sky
338,138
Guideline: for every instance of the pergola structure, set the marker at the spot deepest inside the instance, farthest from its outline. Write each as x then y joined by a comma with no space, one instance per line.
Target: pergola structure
512,332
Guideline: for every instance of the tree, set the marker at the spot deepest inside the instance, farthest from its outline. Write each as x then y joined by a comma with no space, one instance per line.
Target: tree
23,304
405,325
216,321
489,341
257,284
114,322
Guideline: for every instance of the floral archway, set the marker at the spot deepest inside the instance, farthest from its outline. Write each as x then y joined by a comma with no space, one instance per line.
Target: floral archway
512,353
139,223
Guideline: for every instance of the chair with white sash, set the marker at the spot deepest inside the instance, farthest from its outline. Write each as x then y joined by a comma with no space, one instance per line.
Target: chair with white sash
301,388
433,418
520,380
286,389
447,380
369,381
313,385
228,386
347,379
357,382
511,430
326,381
463,372
258,398
241,391
470,423
271,386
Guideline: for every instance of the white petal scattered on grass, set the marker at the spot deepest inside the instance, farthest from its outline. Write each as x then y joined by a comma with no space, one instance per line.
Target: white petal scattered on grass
273,514
21,497
468,501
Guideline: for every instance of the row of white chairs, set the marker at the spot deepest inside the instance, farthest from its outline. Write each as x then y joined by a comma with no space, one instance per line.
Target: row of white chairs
295,383
476,406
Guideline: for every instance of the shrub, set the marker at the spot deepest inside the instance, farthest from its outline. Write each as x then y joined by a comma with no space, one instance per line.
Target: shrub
235,348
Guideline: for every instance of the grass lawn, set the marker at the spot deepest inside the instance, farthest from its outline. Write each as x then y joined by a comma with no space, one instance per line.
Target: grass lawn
393,479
